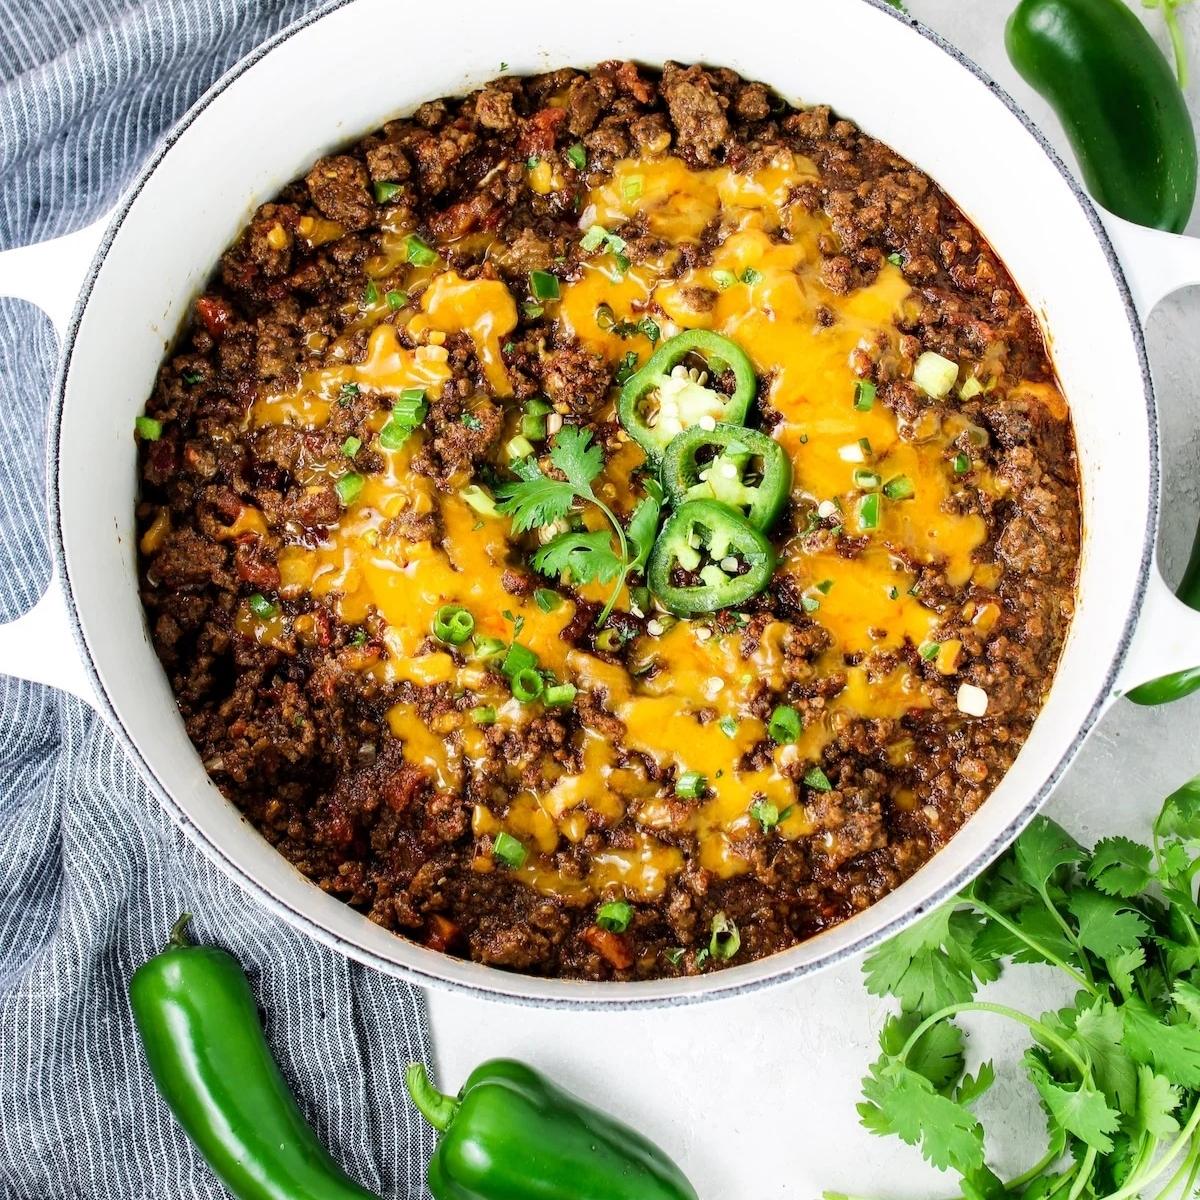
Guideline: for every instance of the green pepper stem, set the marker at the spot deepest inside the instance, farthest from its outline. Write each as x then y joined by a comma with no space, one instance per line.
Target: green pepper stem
436,1107
179,935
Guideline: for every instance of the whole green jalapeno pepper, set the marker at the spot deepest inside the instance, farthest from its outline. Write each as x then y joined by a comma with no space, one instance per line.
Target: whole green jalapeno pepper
200,1029
666,397
511,1134
1118,101
740,559
740,467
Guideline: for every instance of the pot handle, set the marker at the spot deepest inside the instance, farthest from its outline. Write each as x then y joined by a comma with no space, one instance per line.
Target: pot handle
1168,630
41,645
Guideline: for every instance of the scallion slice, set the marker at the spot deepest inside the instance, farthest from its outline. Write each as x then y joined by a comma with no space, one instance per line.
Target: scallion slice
348,487
614,916
420,252
691,785
527,685
868,511
864,395
351,446
453,624
577,156
508,850
785,724
147,428
818,780
560,695
483,714
385,189
725,941
899,488
261,607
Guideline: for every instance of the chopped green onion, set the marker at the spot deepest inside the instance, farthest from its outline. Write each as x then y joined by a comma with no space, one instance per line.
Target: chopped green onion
147,428
546,600
962,464
532,161
750,275
765,813
351,446
723,279
609,640
675,955
896,259
594,238
810,604
480,499
928,650
867,480
899,488
868,511
487,647
190,377
420,252
818,780
865,446
559,695
370,294
702,956
725,941
825,586
614,916
532,311
691,785
543,285
631,189
348,487
893,593
533,428
394,434
527,685
410,408
260,606
864,395
508,850
347,393
934,375
385,190
396,300
519,658
484,714
577,156
453,624
785,724
728,726
518,447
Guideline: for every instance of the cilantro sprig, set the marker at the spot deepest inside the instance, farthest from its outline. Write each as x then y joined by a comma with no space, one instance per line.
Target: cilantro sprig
536,500
1116,1072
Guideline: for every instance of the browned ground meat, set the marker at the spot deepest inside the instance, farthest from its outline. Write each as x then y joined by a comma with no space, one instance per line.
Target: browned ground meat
294,732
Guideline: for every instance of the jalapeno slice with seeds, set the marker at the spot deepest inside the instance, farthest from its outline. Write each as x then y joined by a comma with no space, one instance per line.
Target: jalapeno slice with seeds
740,559
739,467
668,396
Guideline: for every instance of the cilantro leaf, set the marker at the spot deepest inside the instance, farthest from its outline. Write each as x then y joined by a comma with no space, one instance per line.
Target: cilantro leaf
580,556
1122,969
1042,849
1120,867
974,1086
1081,1110
1157,1100
1035,936
900,1101
1173,1050
1180,813
1187,996
574,455
533,503
643,525
1107,927
1098,1031
937,1054
931,964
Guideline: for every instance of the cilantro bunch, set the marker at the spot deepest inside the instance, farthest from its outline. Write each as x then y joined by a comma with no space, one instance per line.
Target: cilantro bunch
535,500
1117,1072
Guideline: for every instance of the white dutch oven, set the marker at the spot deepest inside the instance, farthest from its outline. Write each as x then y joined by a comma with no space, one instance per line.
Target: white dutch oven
1092,282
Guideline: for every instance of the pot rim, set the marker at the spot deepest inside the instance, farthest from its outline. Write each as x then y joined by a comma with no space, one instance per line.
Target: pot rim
608,996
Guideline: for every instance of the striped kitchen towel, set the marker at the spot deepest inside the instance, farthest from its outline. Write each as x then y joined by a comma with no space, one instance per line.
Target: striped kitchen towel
91,872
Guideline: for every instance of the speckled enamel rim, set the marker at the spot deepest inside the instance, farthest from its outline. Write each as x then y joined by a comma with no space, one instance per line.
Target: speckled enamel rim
724,983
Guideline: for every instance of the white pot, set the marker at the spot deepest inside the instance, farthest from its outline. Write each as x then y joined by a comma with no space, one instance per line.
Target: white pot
304,93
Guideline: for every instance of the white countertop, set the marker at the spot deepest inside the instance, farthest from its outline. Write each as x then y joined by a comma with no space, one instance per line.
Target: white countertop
755,1096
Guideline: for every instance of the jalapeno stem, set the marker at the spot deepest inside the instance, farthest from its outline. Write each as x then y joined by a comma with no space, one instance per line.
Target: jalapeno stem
436,1107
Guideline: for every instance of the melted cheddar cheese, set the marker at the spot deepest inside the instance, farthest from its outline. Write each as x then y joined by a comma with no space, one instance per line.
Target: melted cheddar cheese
760,286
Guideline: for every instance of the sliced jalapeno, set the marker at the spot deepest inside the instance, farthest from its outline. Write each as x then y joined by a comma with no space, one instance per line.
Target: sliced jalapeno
667,396
740,467
722,558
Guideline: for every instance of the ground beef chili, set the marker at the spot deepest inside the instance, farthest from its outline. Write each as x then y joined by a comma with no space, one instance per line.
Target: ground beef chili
324,449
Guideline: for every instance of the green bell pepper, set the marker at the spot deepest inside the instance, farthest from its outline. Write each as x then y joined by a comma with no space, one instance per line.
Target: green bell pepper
1118,101
663,399
741,560
741,467
511,1134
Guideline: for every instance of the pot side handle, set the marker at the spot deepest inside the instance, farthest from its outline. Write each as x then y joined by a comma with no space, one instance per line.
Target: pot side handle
41,646
1163,662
